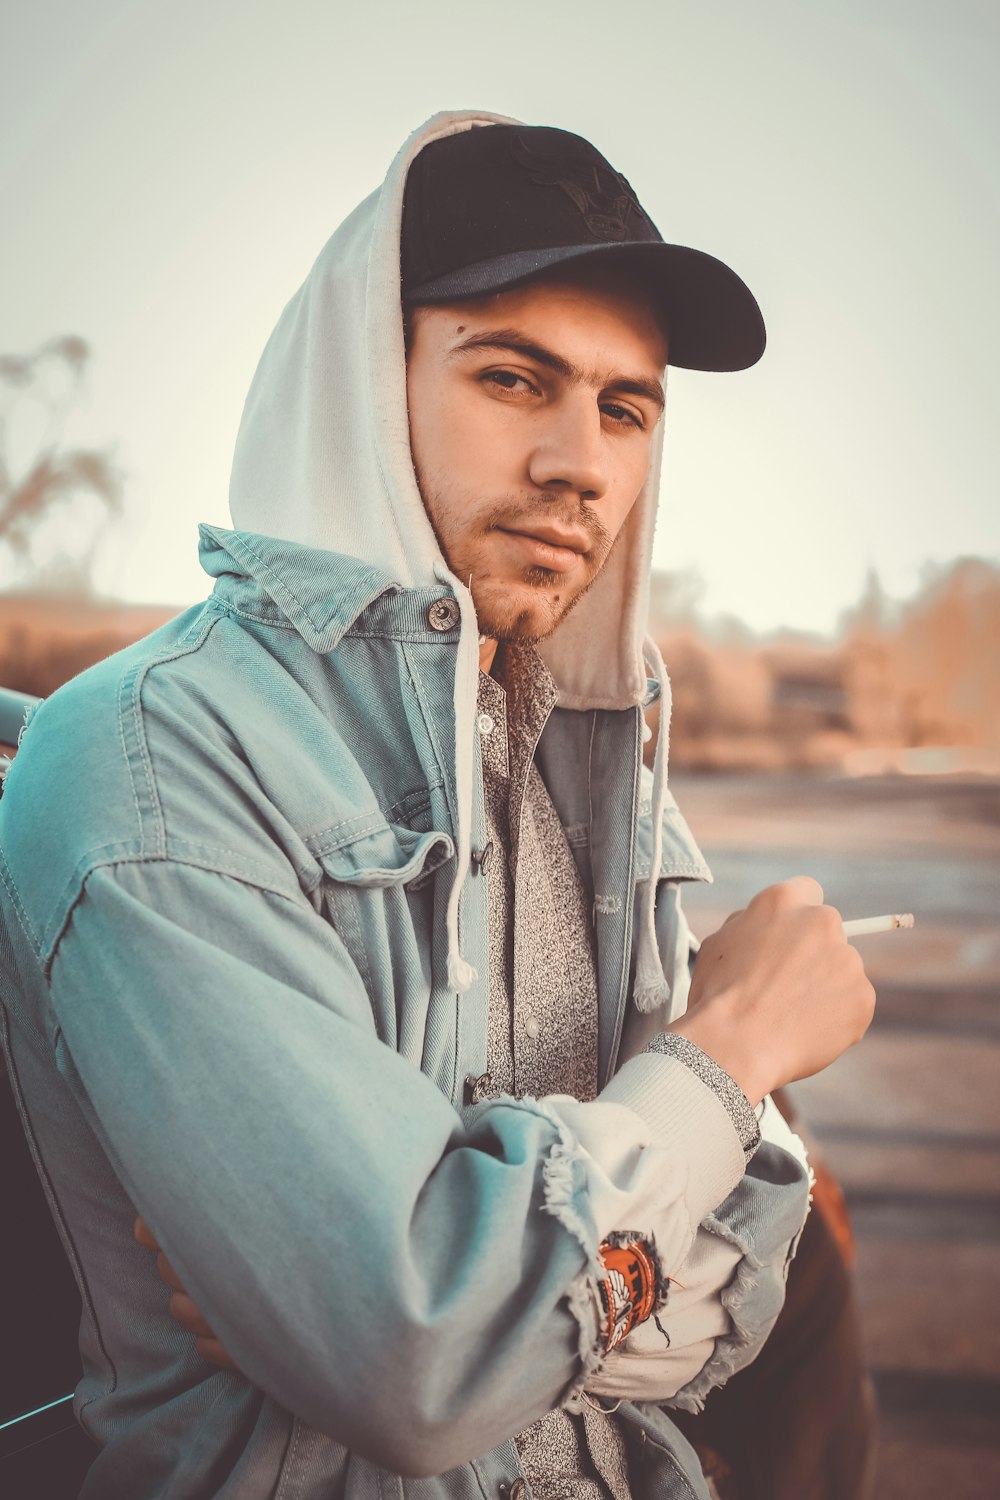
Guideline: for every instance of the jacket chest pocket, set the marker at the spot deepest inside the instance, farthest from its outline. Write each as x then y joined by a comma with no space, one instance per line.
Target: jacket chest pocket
378,889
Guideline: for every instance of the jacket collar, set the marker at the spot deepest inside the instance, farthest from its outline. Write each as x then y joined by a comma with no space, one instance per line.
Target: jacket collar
321,594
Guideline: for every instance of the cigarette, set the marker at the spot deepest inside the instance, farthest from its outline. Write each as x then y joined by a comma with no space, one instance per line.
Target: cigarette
878,924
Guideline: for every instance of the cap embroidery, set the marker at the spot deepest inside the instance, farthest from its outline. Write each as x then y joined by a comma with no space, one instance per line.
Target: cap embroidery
604,197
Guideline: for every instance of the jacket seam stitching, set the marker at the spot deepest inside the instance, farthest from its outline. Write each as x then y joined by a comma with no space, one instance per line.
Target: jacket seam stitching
413,635
128,767
276,621
20,911
480,1479
138,729
432,734
667,870
366,820
214,868
192,640
178,846
372,821
420,798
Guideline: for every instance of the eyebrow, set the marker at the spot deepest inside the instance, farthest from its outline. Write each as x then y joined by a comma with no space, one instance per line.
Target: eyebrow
512,340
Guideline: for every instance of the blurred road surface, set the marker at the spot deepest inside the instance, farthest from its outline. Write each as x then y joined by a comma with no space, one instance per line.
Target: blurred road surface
910,1119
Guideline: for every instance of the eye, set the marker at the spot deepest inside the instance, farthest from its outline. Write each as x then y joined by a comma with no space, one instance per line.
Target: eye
623,416
508,381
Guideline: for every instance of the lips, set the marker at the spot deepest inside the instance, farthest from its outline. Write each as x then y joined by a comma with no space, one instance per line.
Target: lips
547,547
570,541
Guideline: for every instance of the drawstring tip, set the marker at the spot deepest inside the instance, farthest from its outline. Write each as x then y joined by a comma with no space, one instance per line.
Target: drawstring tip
650,993
461,975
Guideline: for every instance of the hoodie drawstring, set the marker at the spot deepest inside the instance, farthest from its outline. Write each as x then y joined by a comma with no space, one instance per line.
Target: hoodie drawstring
651,987
461,974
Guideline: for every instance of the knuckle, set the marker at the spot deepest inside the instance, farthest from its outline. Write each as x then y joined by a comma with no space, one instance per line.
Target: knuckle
795,891
828,920
773,896
805,888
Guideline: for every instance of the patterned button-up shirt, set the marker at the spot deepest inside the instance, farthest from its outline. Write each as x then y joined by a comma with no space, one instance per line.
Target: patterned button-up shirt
542,1026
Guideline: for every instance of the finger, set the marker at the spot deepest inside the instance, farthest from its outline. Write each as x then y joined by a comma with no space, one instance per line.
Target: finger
168,1273
798,890
144,1235
804,890
185,1312
215,1353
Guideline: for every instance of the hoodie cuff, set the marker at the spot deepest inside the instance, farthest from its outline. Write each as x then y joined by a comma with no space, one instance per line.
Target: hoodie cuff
685,1115
738,1106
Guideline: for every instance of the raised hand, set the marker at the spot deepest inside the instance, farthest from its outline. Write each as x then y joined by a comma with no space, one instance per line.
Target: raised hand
778,992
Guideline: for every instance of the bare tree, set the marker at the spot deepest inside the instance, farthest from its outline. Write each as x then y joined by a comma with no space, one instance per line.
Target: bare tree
66,497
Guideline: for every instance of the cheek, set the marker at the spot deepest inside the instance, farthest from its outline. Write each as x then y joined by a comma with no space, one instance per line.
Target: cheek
627,493
444,437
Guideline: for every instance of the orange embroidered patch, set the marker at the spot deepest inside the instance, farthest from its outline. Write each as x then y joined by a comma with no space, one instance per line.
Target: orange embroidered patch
628,1287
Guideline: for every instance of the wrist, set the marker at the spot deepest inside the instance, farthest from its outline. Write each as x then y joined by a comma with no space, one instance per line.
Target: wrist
726,1044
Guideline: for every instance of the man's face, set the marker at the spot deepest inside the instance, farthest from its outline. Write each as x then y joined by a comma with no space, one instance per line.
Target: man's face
532,414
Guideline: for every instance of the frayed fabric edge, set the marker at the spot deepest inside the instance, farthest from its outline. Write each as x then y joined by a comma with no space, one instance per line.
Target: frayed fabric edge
730,1353
560,1186
590,1344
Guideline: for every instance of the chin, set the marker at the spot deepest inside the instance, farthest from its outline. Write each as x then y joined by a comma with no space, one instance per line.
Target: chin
520,614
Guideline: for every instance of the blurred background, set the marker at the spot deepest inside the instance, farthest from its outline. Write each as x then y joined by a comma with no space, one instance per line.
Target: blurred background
827,585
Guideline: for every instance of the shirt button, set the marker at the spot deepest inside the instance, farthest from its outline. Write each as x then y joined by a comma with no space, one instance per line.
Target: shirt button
531,1027
443,614
485,724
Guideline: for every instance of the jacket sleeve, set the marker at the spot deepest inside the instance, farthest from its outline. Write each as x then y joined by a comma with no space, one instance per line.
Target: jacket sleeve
722,1299
412,1282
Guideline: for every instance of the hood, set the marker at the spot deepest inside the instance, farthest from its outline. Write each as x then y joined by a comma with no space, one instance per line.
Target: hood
323,459
323,452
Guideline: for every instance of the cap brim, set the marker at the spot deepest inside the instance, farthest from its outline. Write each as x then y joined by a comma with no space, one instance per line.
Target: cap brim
713,321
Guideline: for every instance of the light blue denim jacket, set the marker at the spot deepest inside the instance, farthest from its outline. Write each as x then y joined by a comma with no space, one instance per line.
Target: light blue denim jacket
224,857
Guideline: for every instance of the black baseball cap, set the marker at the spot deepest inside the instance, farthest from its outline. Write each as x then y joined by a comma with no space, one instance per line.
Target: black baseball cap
488,208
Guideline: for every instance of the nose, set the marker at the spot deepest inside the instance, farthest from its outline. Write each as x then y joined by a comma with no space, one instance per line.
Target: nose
569,453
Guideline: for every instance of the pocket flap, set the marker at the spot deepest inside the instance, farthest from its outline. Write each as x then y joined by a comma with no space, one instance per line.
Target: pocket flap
389,854
680,857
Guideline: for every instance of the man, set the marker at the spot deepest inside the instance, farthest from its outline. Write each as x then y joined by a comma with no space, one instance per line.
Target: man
346,938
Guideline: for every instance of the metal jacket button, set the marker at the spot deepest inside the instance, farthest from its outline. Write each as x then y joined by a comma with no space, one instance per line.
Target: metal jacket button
481,857
443,614
476,1089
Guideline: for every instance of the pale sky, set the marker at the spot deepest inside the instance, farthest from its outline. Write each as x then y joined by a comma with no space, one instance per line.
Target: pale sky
170,168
